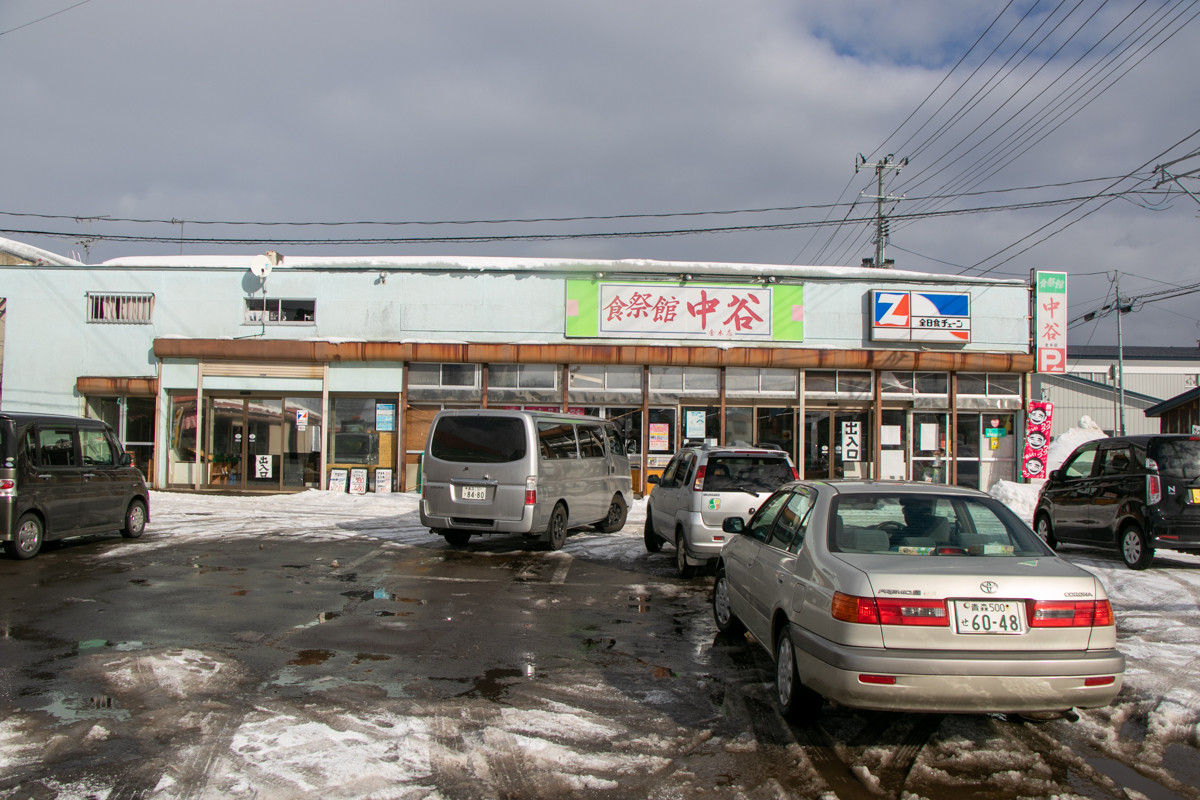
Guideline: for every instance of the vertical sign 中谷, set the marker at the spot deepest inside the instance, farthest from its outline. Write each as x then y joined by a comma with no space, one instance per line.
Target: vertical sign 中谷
1050,321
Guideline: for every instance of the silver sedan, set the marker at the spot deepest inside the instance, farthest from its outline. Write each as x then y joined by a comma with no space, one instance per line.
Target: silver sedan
914,597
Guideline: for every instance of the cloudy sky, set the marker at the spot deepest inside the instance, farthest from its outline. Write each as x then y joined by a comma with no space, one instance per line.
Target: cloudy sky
619,130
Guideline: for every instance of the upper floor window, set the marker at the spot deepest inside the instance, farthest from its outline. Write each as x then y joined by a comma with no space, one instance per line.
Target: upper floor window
127,308
444,375
280,311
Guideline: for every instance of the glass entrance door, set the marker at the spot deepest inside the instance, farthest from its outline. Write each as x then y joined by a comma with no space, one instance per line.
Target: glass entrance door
244,438
837,443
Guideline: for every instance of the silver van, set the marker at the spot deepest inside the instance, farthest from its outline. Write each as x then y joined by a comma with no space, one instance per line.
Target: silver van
65,476
530,472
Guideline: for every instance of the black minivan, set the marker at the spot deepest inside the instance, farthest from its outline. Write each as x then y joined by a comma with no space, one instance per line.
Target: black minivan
65,476
1130,493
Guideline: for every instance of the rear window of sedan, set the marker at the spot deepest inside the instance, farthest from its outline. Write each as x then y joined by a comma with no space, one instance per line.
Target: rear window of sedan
929,525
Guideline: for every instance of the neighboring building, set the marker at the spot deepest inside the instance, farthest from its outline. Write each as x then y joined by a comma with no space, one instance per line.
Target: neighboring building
1090,388
1180,414
269,372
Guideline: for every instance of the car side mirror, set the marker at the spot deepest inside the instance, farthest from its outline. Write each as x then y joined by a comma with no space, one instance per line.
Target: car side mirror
126,460
1055,476
734,525
653,479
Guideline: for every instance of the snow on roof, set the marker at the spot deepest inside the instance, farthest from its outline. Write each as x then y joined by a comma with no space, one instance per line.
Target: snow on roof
35,255
599,268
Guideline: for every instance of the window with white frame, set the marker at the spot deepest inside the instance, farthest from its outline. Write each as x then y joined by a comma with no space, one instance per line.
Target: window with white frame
523,376
443,375
124,308
280,311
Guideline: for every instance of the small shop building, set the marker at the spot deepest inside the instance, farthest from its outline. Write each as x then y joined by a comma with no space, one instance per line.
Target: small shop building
278,373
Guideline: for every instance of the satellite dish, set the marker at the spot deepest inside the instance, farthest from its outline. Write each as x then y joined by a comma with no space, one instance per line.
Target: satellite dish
261,266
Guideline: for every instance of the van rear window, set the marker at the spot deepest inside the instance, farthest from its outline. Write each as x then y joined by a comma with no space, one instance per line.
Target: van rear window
479,440
1176,458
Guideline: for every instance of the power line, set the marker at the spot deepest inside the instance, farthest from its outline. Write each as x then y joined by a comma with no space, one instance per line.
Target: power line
43,19
477,238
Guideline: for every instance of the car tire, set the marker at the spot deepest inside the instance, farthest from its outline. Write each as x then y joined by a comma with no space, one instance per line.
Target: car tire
795,700
556,528
457,538
135,520
653,543
30,534
1045,529
682,566
1136,552
618,512
727,621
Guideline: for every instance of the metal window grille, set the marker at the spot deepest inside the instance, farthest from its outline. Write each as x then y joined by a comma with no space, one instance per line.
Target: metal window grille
125,309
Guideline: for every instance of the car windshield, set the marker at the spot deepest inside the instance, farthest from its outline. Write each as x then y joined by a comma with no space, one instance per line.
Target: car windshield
732,473
924,524
1176,458
479,440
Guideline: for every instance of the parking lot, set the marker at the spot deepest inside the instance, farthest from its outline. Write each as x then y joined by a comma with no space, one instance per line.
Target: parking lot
328,646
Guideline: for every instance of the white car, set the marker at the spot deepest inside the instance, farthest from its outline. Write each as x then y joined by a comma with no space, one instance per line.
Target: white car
914,597
700,489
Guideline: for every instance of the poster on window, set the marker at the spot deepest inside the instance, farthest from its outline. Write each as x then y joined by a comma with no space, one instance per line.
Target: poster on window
851,441
358,480
385,417
660,436
262,467
1037,439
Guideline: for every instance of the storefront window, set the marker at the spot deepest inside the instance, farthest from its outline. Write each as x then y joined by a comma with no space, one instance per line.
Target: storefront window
701,423
362,435
972,383
662,433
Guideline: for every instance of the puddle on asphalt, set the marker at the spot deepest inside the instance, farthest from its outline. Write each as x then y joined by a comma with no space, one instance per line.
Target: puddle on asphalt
309,658
360,657
492,685
1129,778
72,709
240,593
641,602
203,568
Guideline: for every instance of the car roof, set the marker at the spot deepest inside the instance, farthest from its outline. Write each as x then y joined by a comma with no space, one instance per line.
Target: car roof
873,487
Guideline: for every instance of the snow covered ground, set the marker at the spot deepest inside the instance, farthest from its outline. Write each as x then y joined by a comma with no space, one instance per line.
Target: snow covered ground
1154,724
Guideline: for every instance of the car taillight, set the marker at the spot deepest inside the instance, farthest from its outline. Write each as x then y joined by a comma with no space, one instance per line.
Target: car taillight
795,474
531,490
1153,489
890,611
699,483
1069,613
7,486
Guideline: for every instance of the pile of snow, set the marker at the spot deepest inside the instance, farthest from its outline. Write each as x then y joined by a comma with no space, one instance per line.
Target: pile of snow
1022,497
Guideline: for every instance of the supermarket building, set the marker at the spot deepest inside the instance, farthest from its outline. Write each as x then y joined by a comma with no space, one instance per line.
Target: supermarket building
272,372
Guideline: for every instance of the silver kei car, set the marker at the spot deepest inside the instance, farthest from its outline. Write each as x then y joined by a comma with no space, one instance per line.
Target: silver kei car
914,597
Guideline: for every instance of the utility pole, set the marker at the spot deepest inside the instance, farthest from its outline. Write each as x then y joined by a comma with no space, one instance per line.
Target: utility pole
881,225
1120,354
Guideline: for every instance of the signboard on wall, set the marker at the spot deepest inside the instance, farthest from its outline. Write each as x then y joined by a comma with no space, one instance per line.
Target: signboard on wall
900,316
668,310
1050,321
338,480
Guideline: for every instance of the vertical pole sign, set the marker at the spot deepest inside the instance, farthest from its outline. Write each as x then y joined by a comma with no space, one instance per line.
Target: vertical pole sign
1037,439
1050,321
